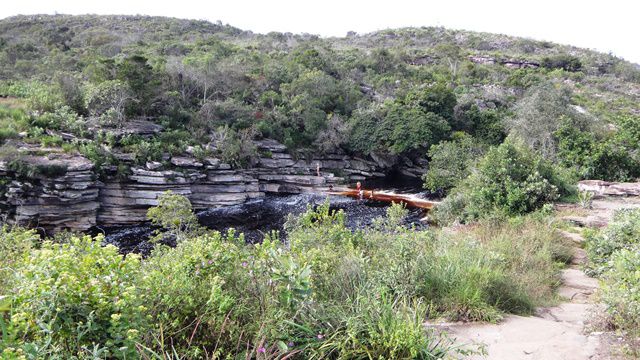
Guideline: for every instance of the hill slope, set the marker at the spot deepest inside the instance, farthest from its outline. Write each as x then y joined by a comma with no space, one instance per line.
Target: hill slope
392,92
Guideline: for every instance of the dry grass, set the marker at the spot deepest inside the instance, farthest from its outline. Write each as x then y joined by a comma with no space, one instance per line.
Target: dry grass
12,103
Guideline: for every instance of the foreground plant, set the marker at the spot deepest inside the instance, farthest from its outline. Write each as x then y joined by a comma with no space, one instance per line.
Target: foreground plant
614,255
325,292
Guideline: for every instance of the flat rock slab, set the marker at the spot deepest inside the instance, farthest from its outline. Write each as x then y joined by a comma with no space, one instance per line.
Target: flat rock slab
519,337
576,238
576,284
580,257
554,333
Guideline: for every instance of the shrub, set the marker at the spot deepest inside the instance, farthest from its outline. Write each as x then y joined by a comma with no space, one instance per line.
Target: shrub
451,162
15,244
538,116
622,233
612,158
384,328
108,101
23,169
62,118
78,298
12,122
614,254
174,214
418,120
621,291
485,125
235,148
43,98
186,290
562,61
510,180
326,292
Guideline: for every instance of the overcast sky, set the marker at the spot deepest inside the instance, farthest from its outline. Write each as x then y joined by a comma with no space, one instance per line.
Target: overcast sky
607,26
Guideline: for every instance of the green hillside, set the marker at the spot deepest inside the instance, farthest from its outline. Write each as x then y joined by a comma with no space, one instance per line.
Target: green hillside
394,91
96,111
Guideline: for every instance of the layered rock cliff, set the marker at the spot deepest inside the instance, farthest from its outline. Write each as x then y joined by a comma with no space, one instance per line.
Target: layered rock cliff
74,199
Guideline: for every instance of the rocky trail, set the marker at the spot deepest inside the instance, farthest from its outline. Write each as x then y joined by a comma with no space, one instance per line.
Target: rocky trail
560,332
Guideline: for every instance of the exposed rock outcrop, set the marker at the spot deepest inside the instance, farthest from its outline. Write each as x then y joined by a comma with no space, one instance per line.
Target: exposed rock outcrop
75,200
510,63
68,200
606,188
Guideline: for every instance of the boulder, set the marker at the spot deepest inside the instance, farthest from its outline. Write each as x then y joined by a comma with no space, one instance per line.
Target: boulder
181,161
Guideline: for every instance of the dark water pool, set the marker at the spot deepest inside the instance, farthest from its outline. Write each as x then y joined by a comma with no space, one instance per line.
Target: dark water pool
257,218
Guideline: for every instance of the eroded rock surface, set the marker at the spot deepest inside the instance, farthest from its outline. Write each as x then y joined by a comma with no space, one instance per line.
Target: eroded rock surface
76,200
66,199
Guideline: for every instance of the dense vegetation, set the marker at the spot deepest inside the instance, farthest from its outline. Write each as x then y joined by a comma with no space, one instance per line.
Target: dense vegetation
614,255
327,292
74,82
508,125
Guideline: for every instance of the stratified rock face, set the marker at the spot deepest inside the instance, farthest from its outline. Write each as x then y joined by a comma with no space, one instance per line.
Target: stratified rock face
76,201
68,201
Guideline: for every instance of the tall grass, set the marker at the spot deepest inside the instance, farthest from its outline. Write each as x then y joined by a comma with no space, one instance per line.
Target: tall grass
327,292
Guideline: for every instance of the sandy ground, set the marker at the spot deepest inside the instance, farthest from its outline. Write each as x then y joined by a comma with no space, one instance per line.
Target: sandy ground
557,332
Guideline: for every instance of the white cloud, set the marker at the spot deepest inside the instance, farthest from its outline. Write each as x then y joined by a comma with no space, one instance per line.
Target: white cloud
606,26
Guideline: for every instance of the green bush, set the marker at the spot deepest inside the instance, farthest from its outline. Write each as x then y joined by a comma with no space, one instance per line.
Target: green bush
614,253
186,290
613,158
510,180
384,328
562,61
622,233
418,120
78,298
485,125
235,147
621,291
327,292
174,214
451,162
15,244
12,122
43,97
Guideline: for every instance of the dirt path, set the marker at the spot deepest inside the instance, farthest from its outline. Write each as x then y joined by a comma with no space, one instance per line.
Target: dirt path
555,332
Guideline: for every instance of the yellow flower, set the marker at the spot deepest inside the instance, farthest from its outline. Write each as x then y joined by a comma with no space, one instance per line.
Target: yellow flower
115,317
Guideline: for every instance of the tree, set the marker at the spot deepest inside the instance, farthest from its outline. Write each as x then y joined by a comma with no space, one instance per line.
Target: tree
512,180
174,214
183,79
414,128
538,117
108,100
486,125
334,136
418,120
562,61
138,75
451,162
451,54
71,90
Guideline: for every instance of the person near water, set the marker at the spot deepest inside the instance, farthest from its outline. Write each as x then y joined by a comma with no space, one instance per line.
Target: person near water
359,188
318,169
